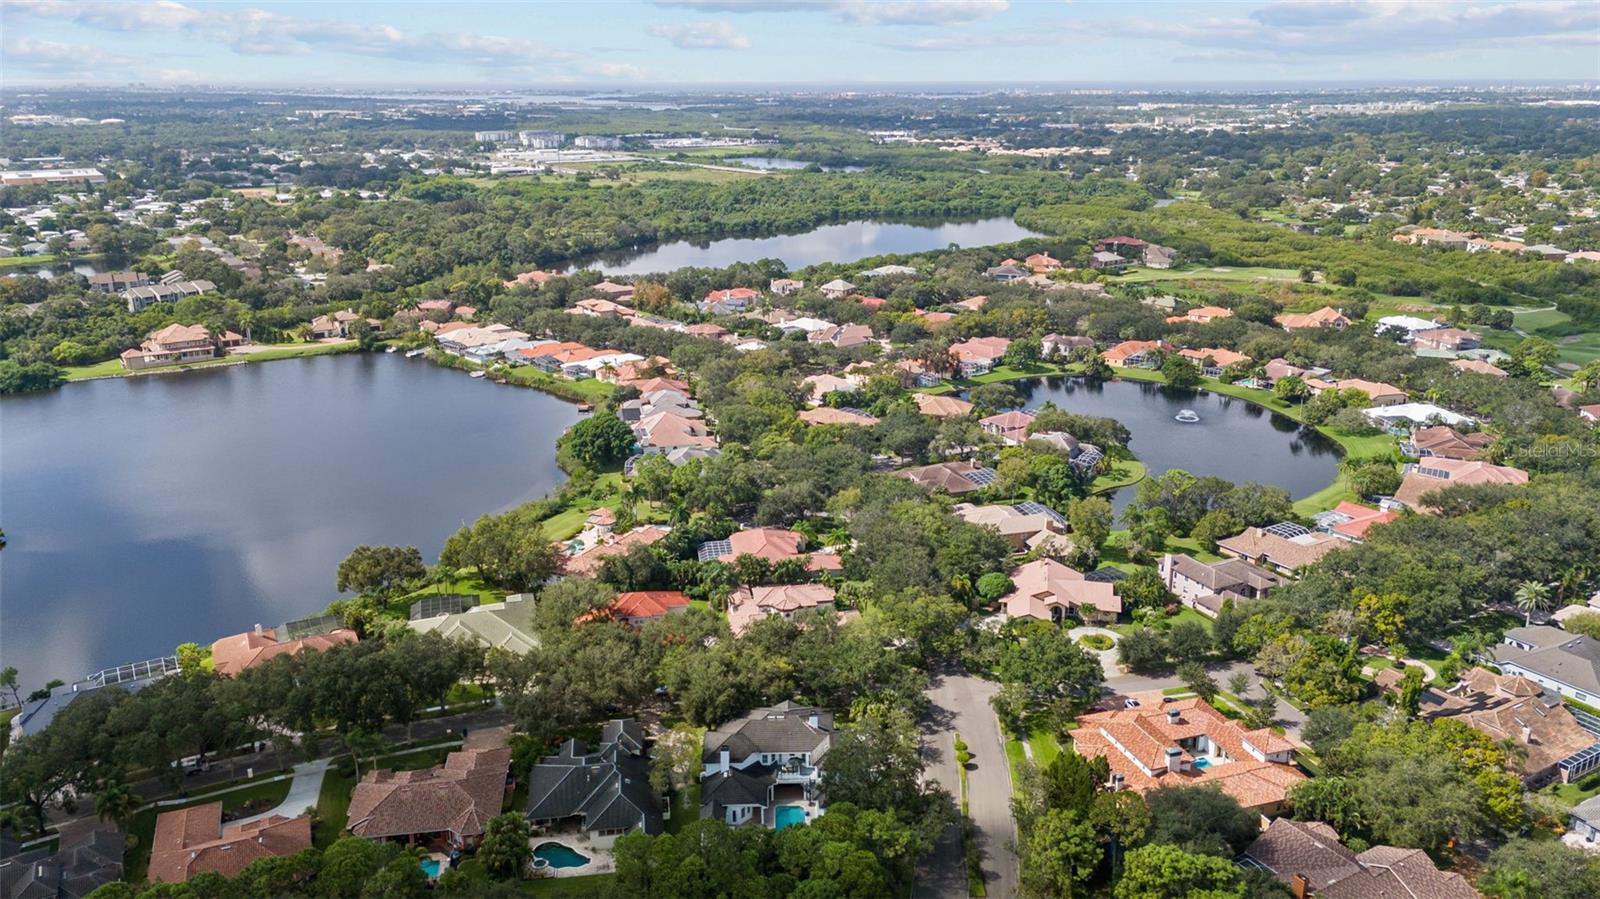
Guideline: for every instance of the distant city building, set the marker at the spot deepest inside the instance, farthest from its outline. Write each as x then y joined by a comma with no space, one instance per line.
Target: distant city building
597,142
25,177
493,137
541,140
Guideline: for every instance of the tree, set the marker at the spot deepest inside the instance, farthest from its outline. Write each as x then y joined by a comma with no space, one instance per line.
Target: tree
1180,372
1291,389
507,550
600,441
399,878
379,570
1059,854
994,585
1052,667
1215,525
1188,641
1531,357
1586,623
1144,589
8,681
357,743
1541,869
350,863
1090,519
1196,678
1531,596
505,850
1142,651
1161,871
192,657
1200,819
116,803
1263,712
875,761
1409,700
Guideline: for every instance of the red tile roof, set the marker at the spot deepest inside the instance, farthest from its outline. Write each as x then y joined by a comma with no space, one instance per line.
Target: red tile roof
193,840
231,655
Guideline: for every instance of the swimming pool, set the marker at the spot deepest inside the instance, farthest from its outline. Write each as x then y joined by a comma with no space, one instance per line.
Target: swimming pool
560,855
431,867
788,816
1202,763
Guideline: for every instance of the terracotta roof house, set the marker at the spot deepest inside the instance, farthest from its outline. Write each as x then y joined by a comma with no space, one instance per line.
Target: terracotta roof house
771,544
1047,590
941,406
979,355
231,655
1205,588
669,430
1012,426
1131,246
843,337
1326,317
535,278
88,856
1189,743
747,605
1478,366
820,386
588,561
1220,359
1283,554
736,294
1446,442
1434,474
1452,339
1352,520
454,800
972,304
954,478
828,415
605,791
1201,315
1020,529
1134,353
174,345
763,759
613,290
1042,262
1308,856
1552,658
933,318
1590,413
1379,393
1278,369
639,606
191,840
598,308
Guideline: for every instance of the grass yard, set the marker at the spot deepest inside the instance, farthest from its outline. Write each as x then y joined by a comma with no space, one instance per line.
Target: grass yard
568,522
1192,546
466,584
1045,746
1570,794
1119,473
112,368
1202,273
586,391
1015,756
685,808
142,827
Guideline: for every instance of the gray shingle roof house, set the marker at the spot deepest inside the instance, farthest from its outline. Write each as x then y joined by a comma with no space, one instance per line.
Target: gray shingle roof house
606,790
1308,856
89,858
1552,658
765,767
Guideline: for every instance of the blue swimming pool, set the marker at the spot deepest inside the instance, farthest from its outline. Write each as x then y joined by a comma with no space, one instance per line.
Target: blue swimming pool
788,816
559,855
431,867
1202,763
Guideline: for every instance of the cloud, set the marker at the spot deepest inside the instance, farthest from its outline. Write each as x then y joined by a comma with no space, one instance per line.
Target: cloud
862,12
703,36
53,58
625,71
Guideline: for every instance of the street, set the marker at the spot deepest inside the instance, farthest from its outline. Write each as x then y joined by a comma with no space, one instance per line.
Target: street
960,704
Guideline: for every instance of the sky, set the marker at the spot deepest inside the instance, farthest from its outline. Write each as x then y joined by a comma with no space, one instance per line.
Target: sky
640,43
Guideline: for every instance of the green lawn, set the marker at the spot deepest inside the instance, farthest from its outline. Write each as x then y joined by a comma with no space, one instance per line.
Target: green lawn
567,523
1015,756
465,584
1202,273
585,391
1570,794
112,368
685,808
1192,546
1043,742
142,827
1119,473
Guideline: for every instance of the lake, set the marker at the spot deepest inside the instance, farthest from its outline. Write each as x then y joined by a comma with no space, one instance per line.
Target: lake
773,163
53,270
143,512
828,243
1234,439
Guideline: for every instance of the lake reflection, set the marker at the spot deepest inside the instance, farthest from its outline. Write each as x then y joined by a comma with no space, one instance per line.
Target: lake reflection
146,511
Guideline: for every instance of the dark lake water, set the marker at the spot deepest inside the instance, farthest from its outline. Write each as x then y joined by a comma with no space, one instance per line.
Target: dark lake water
1234,439
828,243
53,270
143,512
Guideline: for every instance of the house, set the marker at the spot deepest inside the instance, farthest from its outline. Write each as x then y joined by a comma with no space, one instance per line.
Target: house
1122,245
1135,353
430,306
1011,427
734,298
939,406
1552,658
451,802
1583,256
932,319
803,325
1041,263
1157,256
1451,339
837,289
1546,251
828,415
843,337
1052,345
505,625
783,287
1326,317
1352,520
534,279
1205,588
604,792
707,330
771,544
887,270
822,385
1405,415
117,282
1189,743
88,856
1026,526
1407,327
139,298
600,308
1445,442
176,345
1434,474
954,478
1047,590
1550,743
1590,413
1105,261
1284,548
1212,360
1083,456
1583,822
1308,857
192,840
37,712
664,431
1280,368
873,303
755,765
1201,315
1478,366
613,291
1378,393
1005,274
639,607
979,355
971,304
231,655
747,605
587,562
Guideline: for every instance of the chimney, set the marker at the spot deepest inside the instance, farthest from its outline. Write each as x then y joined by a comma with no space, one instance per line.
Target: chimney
1300,887
1174,760
814,721
1172,716
1527,734
723,760
258,630
1116,781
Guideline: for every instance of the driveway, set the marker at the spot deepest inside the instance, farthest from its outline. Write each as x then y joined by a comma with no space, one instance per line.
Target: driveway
960,704
303,792
1290,717
1107,657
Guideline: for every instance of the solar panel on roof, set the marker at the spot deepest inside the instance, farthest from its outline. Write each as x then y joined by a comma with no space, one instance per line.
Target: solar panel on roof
441,604
1288,530
715,549
983,477
1033,508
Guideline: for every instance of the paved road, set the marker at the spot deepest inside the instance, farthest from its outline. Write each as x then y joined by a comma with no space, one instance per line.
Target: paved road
960,704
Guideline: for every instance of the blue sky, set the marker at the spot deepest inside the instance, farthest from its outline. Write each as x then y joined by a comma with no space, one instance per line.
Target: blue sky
645,42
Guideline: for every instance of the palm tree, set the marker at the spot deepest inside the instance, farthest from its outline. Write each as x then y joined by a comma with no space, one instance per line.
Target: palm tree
1532,596
358,743
116,803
